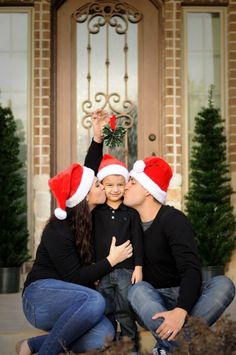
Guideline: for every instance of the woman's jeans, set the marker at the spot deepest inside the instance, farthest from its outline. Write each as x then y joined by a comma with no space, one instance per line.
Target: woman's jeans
216,294
72,314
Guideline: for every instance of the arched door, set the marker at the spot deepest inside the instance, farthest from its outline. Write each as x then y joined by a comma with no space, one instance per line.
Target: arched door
108,56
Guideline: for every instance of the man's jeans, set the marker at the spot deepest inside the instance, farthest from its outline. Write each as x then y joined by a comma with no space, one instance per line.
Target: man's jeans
114,288
72,314
216,295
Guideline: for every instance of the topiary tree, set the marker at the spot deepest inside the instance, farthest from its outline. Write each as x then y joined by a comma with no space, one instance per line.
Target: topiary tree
208,200
13,210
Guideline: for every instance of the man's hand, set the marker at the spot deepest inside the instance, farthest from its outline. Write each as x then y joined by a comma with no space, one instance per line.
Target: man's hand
99,120
172,324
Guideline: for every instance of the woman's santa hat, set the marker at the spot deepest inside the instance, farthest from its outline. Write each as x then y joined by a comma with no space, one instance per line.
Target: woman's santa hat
70,187
112,166
154,174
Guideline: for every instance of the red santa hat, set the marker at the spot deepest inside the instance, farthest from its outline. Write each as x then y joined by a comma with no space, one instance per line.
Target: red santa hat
154,174
70,187
112,166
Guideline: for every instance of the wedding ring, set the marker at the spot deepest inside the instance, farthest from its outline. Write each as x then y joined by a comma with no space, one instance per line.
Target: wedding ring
169,331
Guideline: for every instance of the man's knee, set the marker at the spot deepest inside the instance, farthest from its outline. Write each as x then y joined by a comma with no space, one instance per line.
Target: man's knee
224,283
227,285
224,287
136,290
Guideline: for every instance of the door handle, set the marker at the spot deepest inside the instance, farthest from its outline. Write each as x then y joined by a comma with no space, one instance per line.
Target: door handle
152,137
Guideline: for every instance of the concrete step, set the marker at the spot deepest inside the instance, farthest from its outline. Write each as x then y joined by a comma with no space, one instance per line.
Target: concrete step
15,327
8,340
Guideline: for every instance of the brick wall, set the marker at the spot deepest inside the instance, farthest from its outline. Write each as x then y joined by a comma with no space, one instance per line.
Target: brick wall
41,105
172,142
41,116
232,110
232,84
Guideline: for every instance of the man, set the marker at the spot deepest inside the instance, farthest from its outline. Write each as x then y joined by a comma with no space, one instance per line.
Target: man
172,286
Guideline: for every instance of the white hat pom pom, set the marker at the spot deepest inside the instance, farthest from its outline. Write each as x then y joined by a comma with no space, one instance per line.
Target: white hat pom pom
139,166
60,214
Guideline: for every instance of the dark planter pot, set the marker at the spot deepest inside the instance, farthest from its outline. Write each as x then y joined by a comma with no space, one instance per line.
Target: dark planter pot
210,271
9,279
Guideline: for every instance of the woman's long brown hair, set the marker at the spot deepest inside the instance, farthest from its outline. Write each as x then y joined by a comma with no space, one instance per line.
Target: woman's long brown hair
79,217
81,223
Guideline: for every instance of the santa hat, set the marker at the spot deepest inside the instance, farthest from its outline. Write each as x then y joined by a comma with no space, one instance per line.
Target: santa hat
112,166
154,175
70,187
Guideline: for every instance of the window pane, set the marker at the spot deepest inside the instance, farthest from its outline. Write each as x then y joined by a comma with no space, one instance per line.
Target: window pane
204,62
5,32
14,50
14,80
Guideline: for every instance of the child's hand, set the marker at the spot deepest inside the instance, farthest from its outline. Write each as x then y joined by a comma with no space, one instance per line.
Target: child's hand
96,283
137,275
99,120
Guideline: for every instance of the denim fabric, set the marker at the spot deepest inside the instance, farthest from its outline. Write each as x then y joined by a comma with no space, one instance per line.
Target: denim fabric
216,295
72,314
114,288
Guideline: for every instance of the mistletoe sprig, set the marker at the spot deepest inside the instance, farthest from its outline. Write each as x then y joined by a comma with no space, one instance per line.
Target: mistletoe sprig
113,134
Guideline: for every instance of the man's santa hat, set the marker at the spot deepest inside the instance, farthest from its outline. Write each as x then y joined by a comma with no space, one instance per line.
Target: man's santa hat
154,174
70,187
112,166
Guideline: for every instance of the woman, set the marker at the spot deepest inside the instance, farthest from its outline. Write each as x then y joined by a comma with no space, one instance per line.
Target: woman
58,295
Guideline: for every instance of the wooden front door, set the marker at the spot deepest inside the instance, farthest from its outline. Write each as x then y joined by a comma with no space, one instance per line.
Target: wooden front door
108,55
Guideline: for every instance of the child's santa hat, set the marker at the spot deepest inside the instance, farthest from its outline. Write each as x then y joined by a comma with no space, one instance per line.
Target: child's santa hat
112,166
70,187
154,174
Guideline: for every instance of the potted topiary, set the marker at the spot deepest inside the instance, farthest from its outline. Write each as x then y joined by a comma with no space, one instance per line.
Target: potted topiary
208,203
13,210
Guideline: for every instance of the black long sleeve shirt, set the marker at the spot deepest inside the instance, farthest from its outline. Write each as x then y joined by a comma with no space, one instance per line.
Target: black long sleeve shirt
57,258
171,257
124,224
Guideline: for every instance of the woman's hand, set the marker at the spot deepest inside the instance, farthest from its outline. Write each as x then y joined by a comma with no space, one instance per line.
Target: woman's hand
99,120
172,324
119,253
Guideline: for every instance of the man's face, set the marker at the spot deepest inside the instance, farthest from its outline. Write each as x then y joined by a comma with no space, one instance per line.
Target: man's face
135,194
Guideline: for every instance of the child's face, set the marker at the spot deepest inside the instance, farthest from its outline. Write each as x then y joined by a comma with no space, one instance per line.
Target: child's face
114,186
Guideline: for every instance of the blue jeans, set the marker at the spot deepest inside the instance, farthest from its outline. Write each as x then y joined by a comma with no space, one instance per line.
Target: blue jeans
114,288
72,314
216,295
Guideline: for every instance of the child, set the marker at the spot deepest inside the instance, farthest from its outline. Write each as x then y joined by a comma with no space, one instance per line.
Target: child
115,219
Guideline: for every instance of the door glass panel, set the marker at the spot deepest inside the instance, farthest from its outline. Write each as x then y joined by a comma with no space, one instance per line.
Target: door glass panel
107,62
204,63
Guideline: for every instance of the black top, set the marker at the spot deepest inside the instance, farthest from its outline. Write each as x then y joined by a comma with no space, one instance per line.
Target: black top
124,224
57,258
94,156
170,256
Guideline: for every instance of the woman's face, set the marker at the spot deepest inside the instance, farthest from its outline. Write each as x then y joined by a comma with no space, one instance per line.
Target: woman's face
96,194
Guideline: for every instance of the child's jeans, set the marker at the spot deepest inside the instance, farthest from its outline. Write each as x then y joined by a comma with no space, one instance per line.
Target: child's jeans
114,288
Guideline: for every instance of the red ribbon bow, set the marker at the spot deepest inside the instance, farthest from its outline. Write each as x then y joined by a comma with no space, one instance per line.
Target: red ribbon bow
112,122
